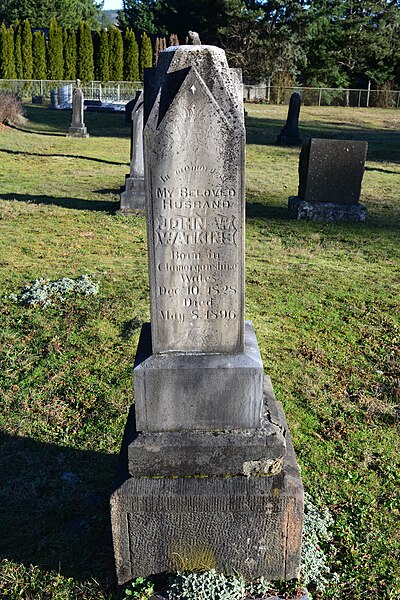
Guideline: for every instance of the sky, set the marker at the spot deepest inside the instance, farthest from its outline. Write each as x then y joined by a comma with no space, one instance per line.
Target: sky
112,4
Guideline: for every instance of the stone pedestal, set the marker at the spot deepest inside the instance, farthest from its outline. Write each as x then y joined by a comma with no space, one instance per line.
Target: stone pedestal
177,391
132,196
325,212
77,132
249,525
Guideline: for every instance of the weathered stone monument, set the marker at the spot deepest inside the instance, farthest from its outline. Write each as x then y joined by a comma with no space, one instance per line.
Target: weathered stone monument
132,193
330,177
208,473
289,135
77,128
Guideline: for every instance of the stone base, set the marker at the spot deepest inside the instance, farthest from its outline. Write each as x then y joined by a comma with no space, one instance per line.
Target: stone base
132,196
181,391
248,525
235,452
78,132
288,140
325,212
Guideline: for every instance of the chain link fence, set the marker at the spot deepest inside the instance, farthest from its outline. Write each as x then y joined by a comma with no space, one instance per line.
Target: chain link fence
123,91
323,96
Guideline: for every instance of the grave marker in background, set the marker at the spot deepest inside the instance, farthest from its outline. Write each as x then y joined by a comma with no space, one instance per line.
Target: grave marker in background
289,135
330,177
132,194
78,128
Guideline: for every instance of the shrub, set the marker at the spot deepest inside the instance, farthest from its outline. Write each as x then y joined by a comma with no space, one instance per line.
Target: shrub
316,531
44,293
10,108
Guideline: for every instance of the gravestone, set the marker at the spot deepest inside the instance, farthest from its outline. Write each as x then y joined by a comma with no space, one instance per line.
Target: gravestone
330,178
129,106
289,135
77,128
208,476
132,193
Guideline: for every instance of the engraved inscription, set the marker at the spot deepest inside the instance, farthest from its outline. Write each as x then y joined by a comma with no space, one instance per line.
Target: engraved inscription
195,199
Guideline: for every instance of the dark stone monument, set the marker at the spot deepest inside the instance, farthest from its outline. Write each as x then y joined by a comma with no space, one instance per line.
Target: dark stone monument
289,135
208,473
77,128
330,177
132,193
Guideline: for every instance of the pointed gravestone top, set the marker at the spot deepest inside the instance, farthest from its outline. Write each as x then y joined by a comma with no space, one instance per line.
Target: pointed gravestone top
194,156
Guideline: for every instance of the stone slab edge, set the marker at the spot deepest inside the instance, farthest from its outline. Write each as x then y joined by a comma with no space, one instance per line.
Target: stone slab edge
326,212
228,452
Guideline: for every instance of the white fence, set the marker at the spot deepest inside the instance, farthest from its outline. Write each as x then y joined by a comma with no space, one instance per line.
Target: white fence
112,91
122,91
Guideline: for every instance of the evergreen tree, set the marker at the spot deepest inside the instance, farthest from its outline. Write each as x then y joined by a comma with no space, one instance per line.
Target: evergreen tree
4,49
131,57
11,58
96,54
39,55
39,12
85,65
55,59
69,38
146,55
26,50
19,73
103,57
116,50
140,15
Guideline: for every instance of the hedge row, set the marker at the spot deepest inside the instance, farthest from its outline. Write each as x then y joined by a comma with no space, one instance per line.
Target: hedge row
104,55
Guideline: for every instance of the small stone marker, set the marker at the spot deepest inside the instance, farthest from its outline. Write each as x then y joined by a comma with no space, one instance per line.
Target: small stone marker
208,472
77,128
330,177
132,193
289,135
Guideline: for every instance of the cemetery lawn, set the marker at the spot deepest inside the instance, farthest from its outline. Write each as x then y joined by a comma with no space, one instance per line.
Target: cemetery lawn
324,300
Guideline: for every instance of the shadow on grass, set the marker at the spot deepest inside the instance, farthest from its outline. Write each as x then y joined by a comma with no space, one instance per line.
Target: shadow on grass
23,130
382,144
50,122
41,155
74,203
54,505
257,210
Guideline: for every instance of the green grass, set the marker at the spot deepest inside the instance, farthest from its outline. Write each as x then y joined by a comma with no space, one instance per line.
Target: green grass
324,299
